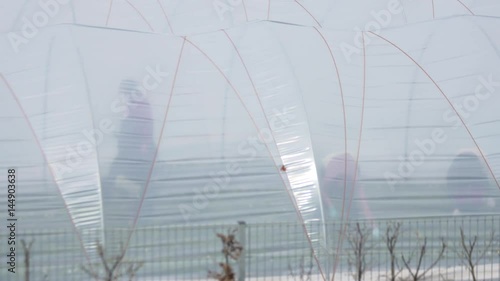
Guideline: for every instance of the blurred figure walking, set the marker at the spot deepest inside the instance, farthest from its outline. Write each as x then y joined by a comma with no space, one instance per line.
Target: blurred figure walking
332,188
468,183
130,168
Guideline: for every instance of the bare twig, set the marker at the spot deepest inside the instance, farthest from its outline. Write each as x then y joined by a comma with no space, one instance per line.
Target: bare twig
357,257
227,273
304,273
444,278
467,250
231,249
391,239
27,258
113,267
415,276
132,270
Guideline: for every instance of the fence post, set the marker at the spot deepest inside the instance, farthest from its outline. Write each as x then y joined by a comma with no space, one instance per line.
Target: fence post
242,239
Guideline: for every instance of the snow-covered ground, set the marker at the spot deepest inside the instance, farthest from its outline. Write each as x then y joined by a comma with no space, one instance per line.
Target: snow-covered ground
486,272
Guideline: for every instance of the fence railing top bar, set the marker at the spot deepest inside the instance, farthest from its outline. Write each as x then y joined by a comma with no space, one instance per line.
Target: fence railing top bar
266,225
387,220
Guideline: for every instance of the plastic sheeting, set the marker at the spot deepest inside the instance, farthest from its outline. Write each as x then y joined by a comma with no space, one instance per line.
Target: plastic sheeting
195,16
279,120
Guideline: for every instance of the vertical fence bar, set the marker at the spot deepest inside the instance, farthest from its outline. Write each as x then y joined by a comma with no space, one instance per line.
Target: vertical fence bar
242,230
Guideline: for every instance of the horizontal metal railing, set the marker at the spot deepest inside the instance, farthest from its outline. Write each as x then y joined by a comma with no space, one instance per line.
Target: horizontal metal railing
271,251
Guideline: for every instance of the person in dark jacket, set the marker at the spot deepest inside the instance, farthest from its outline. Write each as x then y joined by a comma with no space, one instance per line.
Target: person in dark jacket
136,147
135,136
468,181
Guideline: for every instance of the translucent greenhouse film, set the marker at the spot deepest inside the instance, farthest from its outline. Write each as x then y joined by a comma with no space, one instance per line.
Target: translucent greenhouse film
134,114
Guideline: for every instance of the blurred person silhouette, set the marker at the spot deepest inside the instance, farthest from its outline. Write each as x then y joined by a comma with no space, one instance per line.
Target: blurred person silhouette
332,188
135,142
125,181
468,182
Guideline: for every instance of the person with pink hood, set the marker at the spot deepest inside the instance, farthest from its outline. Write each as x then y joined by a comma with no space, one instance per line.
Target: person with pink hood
337,175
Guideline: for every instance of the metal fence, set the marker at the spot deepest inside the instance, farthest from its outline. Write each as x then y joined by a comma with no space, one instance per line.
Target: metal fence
272,251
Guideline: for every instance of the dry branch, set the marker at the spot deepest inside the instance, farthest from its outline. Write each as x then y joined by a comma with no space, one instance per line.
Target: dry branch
358,239
467,250
27,258
391,239
114,267
231,249
304,273
416,275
